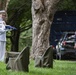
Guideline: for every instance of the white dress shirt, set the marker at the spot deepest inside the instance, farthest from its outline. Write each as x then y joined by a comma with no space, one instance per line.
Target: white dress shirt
2,31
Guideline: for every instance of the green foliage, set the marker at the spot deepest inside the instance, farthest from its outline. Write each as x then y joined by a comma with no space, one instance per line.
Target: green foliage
25,39
19,10
67,5
60,68
8,42
19,16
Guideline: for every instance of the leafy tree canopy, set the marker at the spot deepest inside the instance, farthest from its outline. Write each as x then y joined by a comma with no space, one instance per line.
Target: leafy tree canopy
19,16
67,5
19,13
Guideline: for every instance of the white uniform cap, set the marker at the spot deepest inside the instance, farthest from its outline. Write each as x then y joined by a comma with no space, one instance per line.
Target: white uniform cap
2,11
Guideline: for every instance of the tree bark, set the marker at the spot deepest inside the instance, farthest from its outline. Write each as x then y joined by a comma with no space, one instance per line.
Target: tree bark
4,4
15,40
42,16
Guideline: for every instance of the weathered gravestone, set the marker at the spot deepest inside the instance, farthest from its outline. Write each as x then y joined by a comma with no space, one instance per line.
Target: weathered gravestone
46,60
20,62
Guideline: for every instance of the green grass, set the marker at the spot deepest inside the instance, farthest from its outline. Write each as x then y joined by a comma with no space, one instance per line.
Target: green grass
59,68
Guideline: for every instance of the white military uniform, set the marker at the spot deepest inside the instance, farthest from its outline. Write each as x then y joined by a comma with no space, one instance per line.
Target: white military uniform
2,40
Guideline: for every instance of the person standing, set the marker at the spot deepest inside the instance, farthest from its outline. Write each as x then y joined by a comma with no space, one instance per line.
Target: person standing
2,35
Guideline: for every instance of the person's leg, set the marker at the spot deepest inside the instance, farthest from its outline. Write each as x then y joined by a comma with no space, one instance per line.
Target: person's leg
2,50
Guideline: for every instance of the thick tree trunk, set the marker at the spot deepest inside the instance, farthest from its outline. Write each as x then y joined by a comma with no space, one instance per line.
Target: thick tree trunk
42,16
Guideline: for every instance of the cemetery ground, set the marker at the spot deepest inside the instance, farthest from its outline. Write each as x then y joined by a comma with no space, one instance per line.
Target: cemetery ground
59,68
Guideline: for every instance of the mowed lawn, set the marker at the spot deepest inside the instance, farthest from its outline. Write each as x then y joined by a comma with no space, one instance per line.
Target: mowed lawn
59,68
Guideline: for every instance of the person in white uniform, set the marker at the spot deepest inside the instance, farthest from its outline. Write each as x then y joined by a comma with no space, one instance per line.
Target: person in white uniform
2,36
2,40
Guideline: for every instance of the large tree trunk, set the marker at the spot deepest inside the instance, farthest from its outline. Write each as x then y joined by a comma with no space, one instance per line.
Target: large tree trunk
42,16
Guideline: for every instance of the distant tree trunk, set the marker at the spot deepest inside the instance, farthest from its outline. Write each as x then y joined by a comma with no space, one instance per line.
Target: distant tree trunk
42,16
4,4
15,40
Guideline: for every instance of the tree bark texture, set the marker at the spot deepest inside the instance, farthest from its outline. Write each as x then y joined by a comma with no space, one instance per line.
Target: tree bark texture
42,16
4,4
15,40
